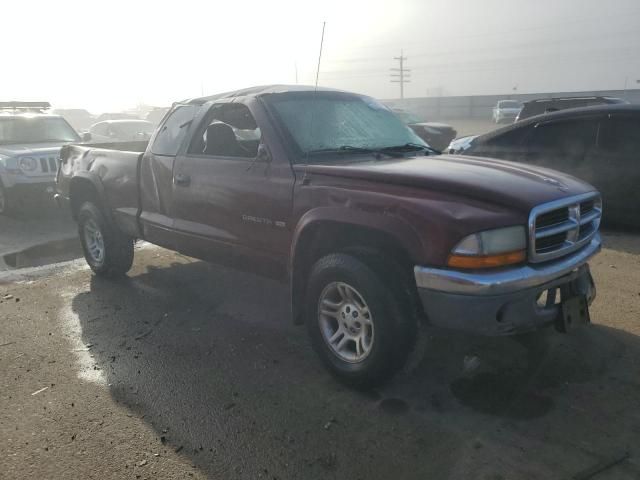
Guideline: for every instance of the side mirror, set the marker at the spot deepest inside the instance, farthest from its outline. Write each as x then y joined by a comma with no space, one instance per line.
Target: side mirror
263,154
86,137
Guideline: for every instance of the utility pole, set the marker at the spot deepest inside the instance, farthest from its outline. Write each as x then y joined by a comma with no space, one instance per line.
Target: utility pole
401,75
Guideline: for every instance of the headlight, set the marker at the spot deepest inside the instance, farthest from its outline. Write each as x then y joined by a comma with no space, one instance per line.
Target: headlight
491,248
28,164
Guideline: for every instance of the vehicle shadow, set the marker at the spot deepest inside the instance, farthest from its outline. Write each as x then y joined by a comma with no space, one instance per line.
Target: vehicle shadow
210,359
622,241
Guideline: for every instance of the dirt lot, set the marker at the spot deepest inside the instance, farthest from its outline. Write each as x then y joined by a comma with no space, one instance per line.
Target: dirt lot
188,370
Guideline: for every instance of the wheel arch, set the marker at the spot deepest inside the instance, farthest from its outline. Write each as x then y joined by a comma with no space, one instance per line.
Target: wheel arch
85,187
361,234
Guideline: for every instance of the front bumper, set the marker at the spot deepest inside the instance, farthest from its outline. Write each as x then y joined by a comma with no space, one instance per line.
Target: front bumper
32,191
503,302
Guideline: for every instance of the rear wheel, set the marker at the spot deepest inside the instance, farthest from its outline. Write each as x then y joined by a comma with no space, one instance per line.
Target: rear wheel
107,250
356,323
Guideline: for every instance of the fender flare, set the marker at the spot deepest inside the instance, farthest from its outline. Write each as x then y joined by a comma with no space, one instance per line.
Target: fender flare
396,228
95,181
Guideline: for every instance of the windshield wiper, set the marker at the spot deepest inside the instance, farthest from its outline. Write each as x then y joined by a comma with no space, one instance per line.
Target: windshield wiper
412,147
353,149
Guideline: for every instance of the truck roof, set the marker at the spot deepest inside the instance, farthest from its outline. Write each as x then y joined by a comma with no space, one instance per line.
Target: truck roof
259,90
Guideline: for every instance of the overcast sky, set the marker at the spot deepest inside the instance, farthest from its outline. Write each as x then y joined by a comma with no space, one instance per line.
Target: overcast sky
112,54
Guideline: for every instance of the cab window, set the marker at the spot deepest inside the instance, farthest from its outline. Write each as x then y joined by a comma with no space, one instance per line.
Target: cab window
173,130
229,130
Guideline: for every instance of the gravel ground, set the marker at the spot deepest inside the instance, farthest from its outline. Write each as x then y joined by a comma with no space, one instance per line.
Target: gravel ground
46,231
188,370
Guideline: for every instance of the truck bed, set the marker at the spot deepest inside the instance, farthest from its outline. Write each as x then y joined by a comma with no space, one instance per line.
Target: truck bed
112,169
139,146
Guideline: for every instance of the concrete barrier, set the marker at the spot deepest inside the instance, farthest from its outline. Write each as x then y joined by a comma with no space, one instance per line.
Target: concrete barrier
480,106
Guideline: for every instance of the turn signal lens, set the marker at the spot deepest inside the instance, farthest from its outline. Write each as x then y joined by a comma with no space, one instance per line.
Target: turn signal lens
488,261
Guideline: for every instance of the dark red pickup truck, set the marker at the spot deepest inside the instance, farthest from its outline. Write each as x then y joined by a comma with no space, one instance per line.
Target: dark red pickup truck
332,193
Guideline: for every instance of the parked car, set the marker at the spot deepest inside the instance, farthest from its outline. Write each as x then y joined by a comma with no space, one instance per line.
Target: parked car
459,145
78,118
117,116
598,144
506,111
548,105
437,135
120,131
156,115
334,195
30,141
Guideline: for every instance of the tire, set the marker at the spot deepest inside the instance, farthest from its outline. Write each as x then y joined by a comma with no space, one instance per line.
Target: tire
347,299
107,250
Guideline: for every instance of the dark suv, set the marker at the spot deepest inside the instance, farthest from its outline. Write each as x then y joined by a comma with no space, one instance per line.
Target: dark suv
548,105
30,141
600,145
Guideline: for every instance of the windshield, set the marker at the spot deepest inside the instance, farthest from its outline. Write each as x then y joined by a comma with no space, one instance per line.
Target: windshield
14,130
509,104
330,121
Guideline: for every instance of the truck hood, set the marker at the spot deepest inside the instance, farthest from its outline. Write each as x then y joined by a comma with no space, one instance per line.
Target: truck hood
498,182
30,149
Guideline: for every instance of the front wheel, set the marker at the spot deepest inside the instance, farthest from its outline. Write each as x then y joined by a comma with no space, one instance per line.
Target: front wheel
357,325
108,251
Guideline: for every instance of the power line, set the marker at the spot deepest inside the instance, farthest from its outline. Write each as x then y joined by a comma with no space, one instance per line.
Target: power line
603,55
601,18
402,76
581,40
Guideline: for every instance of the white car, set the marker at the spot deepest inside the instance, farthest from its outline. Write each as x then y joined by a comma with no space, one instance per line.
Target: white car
459,145
120,131
506,111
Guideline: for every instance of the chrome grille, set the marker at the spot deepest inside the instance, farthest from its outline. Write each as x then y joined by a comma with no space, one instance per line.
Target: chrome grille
563,226
48,163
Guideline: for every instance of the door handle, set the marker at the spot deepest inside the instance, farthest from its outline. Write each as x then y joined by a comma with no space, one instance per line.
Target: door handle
181,179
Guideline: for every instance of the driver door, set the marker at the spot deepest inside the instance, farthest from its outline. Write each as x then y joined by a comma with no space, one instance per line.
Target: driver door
230,205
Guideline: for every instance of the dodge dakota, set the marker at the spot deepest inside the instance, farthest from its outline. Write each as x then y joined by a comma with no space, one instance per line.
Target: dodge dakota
331,193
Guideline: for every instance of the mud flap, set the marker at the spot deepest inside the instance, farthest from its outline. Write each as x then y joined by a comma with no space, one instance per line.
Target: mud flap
576,298
574,312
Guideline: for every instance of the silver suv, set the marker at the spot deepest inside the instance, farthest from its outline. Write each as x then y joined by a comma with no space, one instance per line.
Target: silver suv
30,142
